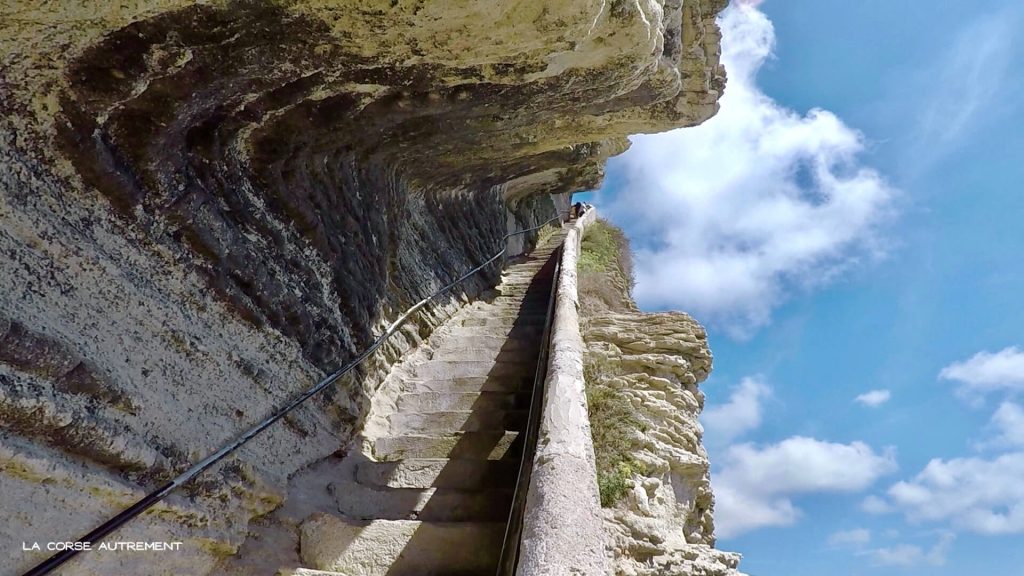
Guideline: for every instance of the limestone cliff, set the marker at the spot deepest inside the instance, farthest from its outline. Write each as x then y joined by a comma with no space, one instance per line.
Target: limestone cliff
205,206
643,372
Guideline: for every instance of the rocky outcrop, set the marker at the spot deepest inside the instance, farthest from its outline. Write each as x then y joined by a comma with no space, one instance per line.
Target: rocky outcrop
660,523
664,525
204,207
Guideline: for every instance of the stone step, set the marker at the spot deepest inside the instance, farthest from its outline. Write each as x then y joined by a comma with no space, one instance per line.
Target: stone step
521,275
440,369
507,321
537,262
515,284
518,282
530,261
364,502
440,473
307,572
512,310
400,547
506,310
520,271
464,349
531,299
505,300
526,263
456,420
535,288
529,310
471,384
475,445
542,254
529,331
509,309
484,343
441,401
524,272
502,318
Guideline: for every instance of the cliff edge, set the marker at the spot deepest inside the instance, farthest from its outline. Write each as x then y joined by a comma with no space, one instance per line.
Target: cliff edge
642,372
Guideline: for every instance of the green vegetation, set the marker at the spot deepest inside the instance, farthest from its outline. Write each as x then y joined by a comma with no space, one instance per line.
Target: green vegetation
605,248
606,270
614,428
605,258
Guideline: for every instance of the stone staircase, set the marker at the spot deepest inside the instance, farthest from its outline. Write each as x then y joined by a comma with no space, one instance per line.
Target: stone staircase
427,488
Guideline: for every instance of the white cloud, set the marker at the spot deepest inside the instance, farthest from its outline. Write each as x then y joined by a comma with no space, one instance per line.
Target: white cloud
737,512
1008,421
984,496
757,202
741,414
875,505
857,537
900,555
988,372
958,91
755,484
909,555
874,398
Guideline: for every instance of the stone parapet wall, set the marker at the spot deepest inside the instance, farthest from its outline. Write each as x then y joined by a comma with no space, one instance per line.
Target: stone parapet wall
563,529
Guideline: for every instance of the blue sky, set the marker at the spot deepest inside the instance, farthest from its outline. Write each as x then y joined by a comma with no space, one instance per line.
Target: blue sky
850,226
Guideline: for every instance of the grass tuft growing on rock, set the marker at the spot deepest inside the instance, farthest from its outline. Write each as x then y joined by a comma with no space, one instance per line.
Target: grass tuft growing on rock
605,248
614,428
605,270
605,284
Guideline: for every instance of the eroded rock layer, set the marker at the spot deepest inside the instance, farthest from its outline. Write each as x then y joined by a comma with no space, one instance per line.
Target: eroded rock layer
664,525
643,370
204,207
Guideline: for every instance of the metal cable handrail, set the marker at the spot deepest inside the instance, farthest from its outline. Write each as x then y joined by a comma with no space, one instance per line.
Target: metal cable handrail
122,518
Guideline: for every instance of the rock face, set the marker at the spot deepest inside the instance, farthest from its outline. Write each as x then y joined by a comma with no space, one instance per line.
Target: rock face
204,207
663,524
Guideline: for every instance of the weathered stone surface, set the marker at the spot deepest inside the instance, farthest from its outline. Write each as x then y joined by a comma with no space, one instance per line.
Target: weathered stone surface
400,547
562,533
204,207
25,468
664,526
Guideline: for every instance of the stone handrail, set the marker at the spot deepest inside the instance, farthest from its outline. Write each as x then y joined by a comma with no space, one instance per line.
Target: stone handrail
563,530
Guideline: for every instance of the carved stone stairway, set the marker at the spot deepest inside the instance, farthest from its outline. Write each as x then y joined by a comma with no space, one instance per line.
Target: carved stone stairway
427,488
